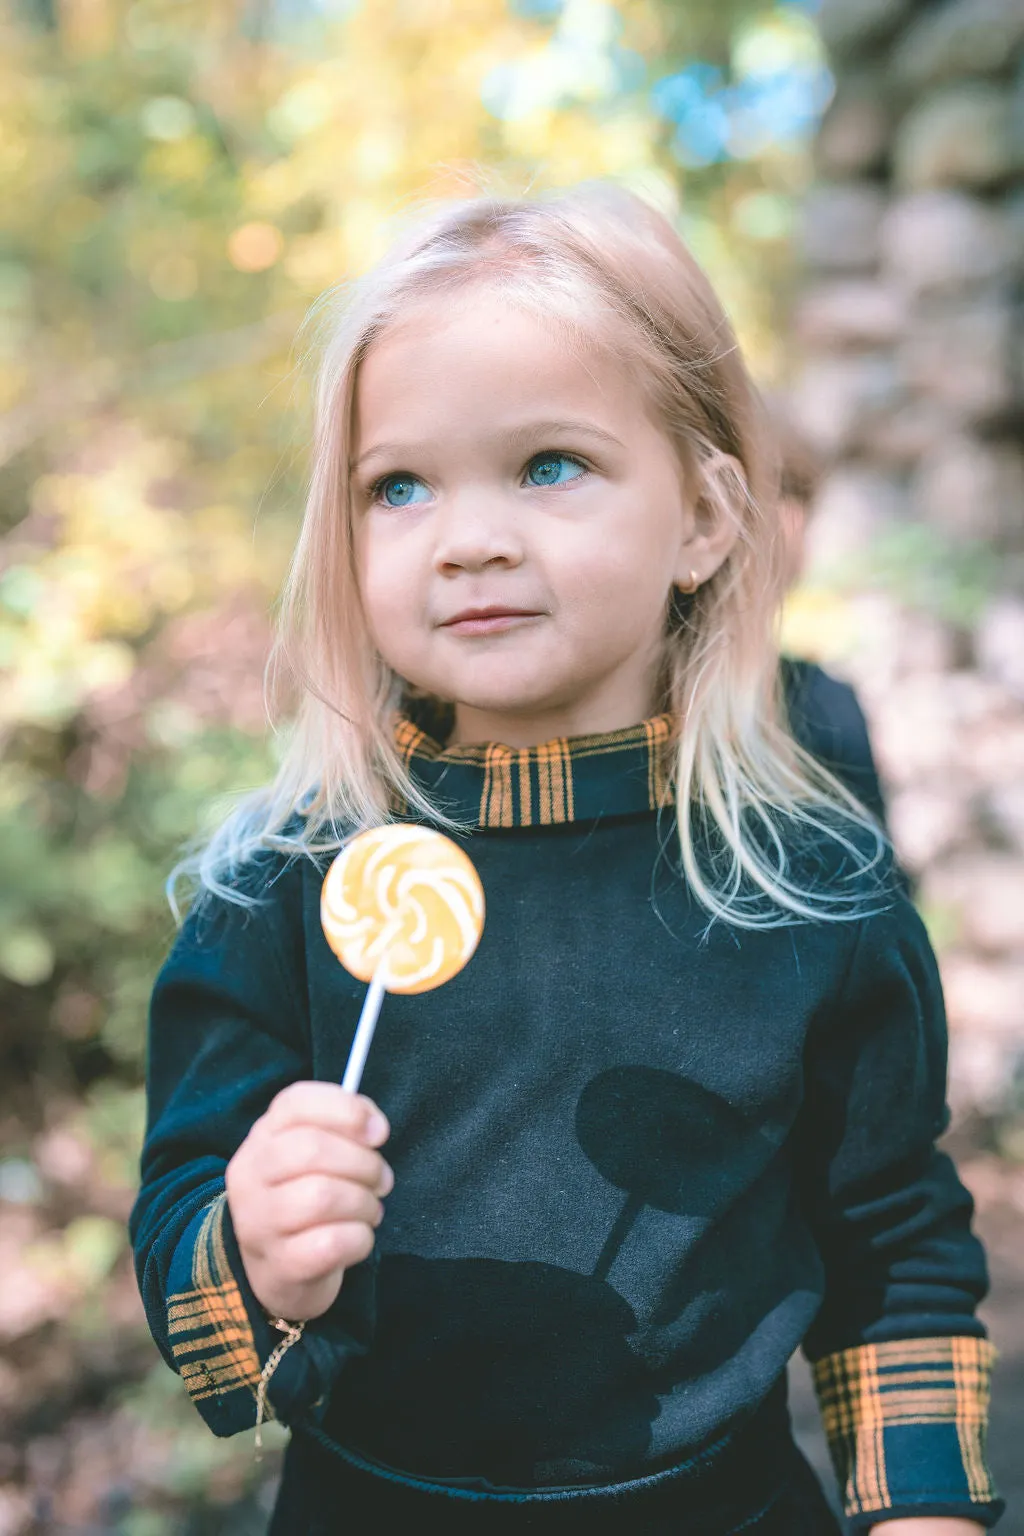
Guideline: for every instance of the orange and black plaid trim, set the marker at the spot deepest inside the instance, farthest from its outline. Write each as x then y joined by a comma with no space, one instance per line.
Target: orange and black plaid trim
906,1421
566,779
208,1326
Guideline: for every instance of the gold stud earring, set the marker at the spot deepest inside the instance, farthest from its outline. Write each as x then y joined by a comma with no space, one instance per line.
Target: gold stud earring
689,588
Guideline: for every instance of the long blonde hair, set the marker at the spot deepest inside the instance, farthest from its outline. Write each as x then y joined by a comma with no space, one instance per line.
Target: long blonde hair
599,262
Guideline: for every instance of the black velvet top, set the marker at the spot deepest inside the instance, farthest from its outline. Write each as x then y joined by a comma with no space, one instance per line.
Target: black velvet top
639,1160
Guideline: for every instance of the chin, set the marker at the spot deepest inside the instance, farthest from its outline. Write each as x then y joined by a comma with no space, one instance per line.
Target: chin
509,700
506,692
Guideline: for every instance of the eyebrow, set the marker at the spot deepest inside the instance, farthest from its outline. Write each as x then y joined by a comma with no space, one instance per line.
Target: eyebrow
518,437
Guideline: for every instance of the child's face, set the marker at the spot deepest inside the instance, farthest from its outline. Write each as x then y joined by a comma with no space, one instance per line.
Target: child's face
520,521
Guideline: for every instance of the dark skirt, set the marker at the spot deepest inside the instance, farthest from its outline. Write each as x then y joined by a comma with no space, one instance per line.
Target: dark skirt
322,1495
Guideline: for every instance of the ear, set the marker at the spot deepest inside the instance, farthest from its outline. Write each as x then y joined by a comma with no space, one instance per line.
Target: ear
716,518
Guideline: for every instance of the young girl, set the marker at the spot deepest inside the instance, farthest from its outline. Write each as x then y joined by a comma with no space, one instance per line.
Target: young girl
677,1116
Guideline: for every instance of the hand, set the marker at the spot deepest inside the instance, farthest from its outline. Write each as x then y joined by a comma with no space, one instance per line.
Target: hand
304,1190
928,1525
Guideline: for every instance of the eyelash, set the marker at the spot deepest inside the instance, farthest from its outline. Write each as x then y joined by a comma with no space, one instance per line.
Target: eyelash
375,490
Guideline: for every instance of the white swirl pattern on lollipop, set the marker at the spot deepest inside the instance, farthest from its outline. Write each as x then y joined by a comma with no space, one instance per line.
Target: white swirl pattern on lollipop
407,890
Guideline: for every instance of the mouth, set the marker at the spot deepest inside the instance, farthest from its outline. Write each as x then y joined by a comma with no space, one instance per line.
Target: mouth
491,620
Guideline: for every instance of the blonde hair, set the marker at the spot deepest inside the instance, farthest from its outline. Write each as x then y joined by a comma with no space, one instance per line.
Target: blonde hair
597,260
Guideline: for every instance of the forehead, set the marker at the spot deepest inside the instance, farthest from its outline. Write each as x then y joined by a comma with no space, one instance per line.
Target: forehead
478,354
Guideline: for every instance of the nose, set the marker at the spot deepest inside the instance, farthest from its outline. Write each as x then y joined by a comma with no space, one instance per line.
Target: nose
473,531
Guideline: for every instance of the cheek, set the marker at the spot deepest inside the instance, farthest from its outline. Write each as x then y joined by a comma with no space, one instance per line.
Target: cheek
384,569
391,591
619,585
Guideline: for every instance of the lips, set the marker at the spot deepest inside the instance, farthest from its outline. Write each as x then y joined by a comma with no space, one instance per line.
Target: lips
488,620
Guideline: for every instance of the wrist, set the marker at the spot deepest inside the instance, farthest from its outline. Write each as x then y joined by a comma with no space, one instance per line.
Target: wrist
276,1303
291,1304
276,1320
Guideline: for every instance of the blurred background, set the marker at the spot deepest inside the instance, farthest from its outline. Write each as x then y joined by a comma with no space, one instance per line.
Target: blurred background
179,183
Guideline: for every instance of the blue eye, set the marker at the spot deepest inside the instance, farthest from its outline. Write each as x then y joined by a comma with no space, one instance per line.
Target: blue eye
553,469
400,490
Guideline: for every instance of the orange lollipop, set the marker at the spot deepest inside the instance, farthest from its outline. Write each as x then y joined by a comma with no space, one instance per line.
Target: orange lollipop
402,907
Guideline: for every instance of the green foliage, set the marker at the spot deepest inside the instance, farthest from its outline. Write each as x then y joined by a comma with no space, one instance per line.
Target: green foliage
952,579
180,185
178,193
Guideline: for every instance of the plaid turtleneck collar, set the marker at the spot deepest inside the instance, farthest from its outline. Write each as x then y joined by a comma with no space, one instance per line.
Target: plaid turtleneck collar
570,778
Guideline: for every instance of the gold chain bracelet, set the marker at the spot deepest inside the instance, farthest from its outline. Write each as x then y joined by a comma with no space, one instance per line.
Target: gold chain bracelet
294,1334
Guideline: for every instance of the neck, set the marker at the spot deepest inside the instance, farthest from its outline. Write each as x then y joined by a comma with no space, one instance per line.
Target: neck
528,728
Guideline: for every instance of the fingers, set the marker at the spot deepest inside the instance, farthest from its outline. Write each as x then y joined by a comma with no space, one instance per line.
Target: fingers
305,1149
305,1190
332,1108
318,1200
306,1257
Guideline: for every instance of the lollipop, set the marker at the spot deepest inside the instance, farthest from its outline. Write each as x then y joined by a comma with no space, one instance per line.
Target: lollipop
402,907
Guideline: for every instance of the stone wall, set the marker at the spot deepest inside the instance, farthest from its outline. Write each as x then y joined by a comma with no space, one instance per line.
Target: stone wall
910,332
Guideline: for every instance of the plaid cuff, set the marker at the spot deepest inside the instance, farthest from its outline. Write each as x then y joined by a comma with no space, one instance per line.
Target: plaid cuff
221,1338
905,1422
208,1323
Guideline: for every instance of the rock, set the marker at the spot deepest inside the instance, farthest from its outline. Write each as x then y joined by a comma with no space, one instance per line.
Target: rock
853,138
983,1070
854,504
901,437
972,490
927,824
837,398
912,389
851,314
986,892
962,37
999,644
922,643
936,241
962,359
964,135
16,1511
856,26
1013,213
985,997
894,644
1003,808
935,728
990,1182
993,743
915,731
840,227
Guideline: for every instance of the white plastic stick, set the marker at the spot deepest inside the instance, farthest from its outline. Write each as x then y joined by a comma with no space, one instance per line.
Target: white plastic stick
365,1028
371,1008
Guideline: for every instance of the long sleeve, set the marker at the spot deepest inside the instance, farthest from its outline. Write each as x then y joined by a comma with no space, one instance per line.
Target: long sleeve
226,1034
901,1362
826,718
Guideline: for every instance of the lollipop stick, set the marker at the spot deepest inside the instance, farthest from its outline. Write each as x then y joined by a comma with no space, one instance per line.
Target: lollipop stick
371,1009
365,1028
